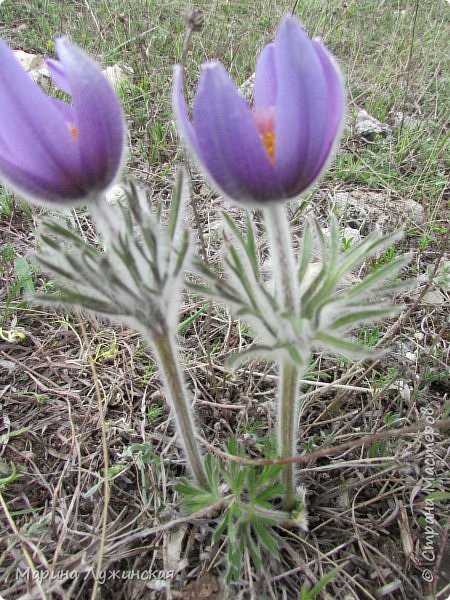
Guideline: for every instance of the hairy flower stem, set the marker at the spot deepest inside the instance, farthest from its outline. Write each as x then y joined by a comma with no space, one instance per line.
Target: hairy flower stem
169,362
283,268
287,428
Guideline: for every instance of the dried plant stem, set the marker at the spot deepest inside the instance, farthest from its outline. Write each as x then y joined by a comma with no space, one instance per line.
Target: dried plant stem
443,424
283,269
169,361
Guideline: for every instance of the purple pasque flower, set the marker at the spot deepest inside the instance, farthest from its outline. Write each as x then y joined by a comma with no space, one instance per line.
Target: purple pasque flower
53,152
278,149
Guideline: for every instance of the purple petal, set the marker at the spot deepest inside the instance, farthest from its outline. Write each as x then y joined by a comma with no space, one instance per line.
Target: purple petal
229,144
181,112
4,147
58,76
31,127
301,109
66,111
265,88
98,113
336,101
39,186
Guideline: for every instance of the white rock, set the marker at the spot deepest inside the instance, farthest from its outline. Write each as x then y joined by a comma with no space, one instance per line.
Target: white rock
42,76
434,297
411,356
353,212
347,233
409,121
35,66
246,88
366,125
27,60
117,74
350,233
363,209
404,389
7,364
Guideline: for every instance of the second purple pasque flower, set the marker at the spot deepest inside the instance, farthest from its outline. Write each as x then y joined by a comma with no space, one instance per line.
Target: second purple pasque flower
276,150
52,152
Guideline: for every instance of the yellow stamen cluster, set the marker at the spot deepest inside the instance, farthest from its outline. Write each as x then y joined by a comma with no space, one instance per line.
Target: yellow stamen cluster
73,131
268,139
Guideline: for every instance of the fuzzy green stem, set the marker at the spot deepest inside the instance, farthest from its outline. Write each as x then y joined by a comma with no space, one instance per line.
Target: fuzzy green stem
283,268
169,361
287,428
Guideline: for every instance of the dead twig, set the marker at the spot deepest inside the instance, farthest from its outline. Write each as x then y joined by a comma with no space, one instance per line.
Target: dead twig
310,456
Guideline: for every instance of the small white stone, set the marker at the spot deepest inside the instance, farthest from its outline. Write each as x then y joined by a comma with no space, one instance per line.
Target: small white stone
35,66
117,74
350,233
27,60
368,125
409,121
359,208
404,389
246,88
434,297
7,364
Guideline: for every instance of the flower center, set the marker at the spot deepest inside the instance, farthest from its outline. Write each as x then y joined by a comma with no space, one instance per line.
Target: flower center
268,140
73,131
265,123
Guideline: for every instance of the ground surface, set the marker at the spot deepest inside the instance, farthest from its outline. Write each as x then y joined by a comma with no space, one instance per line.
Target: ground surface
369,506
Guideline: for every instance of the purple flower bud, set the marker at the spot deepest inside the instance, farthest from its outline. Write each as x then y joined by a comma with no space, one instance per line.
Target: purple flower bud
52,152
277,150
